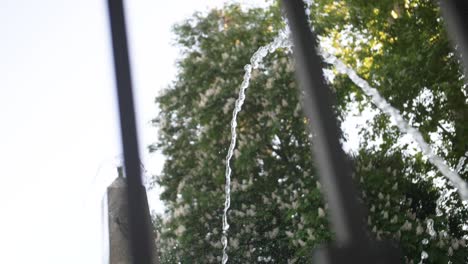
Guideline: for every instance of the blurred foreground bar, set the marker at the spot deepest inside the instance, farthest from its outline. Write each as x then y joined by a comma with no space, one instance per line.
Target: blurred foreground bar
455,13
139,223
352,244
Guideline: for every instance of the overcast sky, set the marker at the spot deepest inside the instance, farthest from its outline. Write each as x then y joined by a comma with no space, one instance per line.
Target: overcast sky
59,137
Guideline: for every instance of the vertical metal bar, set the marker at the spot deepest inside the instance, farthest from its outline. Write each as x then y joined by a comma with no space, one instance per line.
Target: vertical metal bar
347,218
456,14
140,235
335,174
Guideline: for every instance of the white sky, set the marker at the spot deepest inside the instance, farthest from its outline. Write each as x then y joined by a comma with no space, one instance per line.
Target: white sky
59,137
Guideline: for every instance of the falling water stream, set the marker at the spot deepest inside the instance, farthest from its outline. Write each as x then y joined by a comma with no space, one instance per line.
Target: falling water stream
283,41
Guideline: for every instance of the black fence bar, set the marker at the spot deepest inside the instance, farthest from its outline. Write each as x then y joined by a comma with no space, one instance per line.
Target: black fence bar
455,13
352,244
140,234
335,174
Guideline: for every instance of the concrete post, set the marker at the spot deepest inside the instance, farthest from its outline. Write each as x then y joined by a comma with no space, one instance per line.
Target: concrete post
119,237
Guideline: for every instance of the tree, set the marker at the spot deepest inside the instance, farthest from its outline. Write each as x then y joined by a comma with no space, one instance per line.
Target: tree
278,213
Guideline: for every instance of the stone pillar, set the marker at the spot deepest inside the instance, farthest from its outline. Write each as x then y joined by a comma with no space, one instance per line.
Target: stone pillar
119,237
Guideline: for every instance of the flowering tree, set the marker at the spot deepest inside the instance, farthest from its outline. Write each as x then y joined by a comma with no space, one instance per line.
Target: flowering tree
277,211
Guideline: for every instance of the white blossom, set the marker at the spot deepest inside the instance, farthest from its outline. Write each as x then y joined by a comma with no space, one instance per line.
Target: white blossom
406,226
180,230
419,229
273,233
380,195
321,212
385,214
450,251
301,243
455,244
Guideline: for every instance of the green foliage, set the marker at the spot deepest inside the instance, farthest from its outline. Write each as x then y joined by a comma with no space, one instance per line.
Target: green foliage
277,211
401,47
